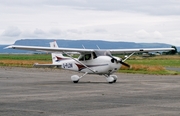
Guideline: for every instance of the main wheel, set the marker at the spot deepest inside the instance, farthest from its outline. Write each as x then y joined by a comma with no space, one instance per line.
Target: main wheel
75,78
75,81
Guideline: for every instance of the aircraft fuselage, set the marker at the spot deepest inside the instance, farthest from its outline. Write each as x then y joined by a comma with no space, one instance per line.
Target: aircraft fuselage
100,65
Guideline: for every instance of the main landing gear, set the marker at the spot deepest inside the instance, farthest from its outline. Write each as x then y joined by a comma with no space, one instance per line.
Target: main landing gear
76,78
110,78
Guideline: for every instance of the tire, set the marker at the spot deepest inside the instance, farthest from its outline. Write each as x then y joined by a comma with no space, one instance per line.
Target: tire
75,81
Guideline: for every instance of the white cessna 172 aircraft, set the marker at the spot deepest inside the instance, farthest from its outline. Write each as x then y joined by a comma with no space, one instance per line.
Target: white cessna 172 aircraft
90,61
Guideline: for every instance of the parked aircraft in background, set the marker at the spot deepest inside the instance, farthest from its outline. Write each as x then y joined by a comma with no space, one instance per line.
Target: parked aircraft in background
90,61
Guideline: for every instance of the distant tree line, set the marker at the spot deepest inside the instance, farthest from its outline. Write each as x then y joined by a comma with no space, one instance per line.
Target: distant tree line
172,52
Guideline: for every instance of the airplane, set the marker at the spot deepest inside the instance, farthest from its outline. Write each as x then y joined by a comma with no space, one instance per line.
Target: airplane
90,61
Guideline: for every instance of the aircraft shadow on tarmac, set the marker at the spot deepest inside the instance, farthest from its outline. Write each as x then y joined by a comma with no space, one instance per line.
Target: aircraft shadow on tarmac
71,83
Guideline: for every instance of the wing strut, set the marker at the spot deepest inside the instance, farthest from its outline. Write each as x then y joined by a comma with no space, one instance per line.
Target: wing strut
79,62
128,56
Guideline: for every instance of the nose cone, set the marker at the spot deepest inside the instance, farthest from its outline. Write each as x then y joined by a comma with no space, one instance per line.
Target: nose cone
114,66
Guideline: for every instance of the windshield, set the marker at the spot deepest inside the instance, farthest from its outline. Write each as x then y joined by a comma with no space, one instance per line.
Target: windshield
103,53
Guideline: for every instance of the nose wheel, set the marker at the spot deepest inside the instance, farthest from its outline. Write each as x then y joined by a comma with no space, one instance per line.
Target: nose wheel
115,78
111,79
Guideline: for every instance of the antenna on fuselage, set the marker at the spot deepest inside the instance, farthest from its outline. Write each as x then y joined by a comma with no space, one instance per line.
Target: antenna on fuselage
83,46
97,47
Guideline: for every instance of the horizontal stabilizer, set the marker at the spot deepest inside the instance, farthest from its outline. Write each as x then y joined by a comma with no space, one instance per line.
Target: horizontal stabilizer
36,65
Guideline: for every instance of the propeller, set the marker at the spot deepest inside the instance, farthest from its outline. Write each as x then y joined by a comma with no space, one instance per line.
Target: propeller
120,61
125,64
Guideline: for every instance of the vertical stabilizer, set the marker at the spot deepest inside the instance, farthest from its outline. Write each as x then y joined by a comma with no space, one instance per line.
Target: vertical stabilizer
56,56
53,44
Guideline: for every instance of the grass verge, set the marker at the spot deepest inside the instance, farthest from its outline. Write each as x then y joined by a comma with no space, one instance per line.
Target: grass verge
151,65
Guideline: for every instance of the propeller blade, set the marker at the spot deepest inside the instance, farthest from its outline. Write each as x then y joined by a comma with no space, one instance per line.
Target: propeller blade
125,64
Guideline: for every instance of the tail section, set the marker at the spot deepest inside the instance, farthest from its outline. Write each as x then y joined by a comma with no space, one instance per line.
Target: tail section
53,44
57,57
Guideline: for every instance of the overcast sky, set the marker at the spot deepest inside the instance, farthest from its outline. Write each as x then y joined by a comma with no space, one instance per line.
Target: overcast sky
146,21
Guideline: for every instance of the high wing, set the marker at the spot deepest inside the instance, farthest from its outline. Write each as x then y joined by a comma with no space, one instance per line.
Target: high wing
113,51
48,49
117,51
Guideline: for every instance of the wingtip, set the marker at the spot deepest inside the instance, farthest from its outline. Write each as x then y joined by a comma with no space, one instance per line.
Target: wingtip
8,47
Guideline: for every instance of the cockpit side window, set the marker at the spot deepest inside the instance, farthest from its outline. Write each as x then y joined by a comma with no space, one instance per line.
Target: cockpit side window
87,56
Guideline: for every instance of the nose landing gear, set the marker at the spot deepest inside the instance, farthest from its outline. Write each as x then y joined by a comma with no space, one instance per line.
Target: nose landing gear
111,79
